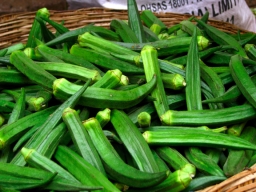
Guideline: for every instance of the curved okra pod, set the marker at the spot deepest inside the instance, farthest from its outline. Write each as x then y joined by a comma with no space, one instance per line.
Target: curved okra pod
104,98
38,139
133,140
81,138
115,166
35,73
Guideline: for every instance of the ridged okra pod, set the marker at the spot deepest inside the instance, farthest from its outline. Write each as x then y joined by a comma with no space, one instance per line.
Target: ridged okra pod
151,67
114,164
108,98
63,181
81,138
193,137
133,140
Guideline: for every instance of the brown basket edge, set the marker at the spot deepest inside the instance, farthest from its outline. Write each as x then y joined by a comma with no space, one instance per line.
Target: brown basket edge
15,27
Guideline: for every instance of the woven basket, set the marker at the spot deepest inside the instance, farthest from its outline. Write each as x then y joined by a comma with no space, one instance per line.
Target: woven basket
15,28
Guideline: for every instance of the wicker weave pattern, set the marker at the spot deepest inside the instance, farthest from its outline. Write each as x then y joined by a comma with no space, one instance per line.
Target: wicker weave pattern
15,28
242,182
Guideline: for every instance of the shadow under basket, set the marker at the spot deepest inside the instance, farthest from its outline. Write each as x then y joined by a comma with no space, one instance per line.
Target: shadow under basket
14,28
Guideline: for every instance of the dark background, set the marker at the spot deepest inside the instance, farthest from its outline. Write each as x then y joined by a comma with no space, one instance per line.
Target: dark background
12,6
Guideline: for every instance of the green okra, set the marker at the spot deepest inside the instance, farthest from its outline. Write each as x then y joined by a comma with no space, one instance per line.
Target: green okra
188,27
220,69
173,81
174,101
47,35
203,128
144,119
236,129
187,137
17,113
115,166
3,52
105,61
133,140
247,40
13,77
112,136
151,68
11,48
214,154
156,28
67,57
210,117
213,80
251,51
176,160
176,181
193,83
46,57
221,37
238,159
35,73
168,46
37,140
35,31
59,27
108,98
20,142
88,38
134,20
81,139
150,36
39,161
162,165
6,106
203,162
71,71
149,19
123,30
109,80
124,80
103,116
63,181
52,140
23,178
164,65
11,132
82,170
242,79
200,183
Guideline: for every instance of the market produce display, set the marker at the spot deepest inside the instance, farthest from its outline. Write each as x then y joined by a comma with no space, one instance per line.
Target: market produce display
136,106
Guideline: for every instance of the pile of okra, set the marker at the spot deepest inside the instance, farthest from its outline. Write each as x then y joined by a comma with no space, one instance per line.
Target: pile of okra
136,106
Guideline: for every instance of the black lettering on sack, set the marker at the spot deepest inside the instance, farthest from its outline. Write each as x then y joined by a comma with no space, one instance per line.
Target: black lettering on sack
200,12
177,3
143,7
214,14
235,2
154,9
148,6
159,7
219,7
231,4
225,5
231,20
164,6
